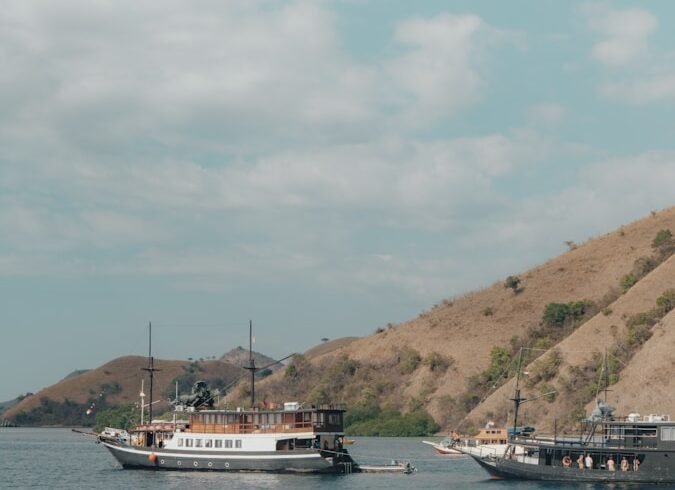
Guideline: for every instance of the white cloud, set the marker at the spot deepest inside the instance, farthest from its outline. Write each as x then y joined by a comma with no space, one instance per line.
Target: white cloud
623,33
439,72
624,42
607,194
655,88
547,114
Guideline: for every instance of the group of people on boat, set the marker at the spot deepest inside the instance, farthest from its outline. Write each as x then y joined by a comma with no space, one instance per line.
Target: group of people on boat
585,461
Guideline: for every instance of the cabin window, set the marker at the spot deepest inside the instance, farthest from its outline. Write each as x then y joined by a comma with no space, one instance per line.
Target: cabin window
668,433
237,443
333,419
188,442
228,443
198,443
220,419
219,443
180,442
208,442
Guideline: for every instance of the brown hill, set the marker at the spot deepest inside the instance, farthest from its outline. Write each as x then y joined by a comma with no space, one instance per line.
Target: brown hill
461,333
240,357
328,347
119,381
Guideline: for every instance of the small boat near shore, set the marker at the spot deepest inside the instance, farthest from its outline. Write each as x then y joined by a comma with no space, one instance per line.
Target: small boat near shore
487,436
395,466
445,447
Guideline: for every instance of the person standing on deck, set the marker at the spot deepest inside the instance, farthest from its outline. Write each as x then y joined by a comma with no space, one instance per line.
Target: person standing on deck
580,461
624,464
589,461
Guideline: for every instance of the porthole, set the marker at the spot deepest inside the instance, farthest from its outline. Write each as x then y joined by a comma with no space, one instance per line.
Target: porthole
227,465
179,463
210,464
161,461
195,464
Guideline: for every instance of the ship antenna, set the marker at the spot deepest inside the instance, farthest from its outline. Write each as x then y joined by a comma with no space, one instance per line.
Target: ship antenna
151,368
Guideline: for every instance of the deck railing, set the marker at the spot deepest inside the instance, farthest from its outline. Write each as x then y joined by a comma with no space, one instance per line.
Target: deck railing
253,428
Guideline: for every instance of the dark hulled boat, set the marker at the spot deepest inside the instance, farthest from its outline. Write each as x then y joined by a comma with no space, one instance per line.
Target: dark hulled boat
634,449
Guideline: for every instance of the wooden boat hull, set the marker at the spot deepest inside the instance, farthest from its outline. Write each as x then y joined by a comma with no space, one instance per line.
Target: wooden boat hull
298,461
507,469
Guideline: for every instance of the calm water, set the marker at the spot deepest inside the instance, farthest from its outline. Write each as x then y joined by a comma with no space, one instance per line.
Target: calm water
62,459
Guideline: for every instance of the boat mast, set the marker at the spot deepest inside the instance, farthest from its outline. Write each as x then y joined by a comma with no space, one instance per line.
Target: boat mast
151,369
517,400
251,362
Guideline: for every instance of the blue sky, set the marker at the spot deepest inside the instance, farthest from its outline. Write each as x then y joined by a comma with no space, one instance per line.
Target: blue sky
322,168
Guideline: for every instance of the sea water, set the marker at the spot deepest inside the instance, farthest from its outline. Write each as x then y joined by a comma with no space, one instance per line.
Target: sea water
63,459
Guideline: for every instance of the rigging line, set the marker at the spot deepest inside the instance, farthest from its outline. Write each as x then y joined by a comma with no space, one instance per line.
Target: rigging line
200,325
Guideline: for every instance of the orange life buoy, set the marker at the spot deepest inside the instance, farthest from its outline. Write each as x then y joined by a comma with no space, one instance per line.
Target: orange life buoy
152,457
567,461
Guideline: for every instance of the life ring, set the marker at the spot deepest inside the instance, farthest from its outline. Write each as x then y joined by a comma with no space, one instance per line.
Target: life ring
567,461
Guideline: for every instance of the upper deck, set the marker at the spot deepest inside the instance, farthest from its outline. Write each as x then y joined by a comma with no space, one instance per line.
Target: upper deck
323,419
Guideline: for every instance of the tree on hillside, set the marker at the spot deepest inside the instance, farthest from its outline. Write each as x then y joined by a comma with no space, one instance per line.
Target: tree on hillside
661,238
512,282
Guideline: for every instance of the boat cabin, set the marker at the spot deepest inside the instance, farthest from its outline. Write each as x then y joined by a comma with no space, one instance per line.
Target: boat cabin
289,428
324,419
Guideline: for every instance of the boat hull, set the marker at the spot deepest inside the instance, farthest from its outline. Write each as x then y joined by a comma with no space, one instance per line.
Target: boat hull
299,461
507,469
443,449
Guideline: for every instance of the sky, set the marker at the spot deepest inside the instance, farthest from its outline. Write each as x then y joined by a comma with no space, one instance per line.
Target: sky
322,168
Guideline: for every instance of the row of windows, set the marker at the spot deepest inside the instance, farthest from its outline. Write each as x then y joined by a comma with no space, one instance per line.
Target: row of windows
217,443
268,418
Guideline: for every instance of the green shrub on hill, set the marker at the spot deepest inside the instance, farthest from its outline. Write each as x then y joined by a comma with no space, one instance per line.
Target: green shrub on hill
122,417
371,421
437,362
663,237
409,359
560,314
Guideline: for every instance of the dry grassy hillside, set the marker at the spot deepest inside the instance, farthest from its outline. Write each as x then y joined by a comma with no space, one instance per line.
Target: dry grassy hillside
120,382
464,330
328,347
652,362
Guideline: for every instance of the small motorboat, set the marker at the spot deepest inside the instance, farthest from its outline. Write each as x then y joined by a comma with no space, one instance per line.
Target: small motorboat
445,447
395,466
